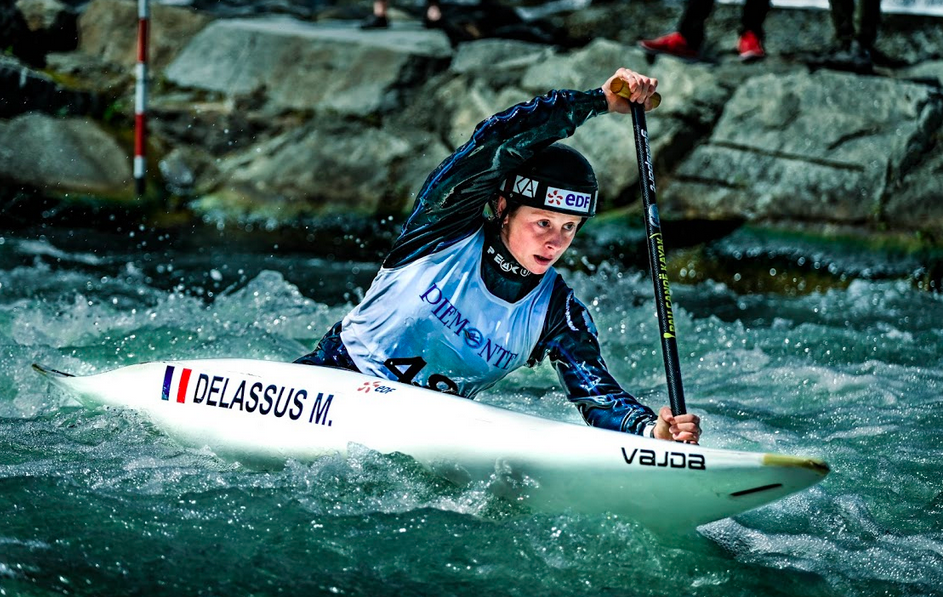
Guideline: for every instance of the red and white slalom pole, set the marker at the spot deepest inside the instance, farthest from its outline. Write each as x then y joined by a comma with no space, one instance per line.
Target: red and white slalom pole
140,99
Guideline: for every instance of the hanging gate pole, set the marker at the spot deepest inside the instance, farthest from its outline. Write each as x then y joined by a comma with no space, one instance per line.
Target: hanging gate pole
140,100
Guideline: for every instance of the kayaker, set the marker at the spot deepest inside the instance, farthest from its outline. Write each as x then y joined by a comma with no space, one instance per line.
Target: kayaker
465,297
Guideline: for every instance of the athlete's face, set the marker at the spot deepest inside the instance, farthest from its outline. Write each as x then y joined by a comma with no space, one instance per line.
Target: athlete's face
537,237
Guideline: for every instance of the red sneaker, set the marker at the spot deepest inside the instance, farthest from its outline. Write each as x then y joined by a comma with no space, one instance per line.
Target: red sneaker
750,47
673,44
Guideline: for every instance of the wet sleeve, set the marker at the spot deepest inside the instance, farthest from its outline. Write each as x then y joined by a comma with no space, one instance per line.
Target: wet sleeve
450,204
570,341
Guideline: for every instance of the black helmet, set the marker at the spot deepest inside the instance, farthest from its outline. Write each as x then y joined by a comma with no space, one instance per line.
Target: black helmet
558,179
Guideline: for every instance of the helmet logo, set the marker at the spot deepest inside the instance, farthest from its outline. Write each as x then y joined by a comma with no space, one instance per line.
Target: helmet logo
569,200
554,197
525,186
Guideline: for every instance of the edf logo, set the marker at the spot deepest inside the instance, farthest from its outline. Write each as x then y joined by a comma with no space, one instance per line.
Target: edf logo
572,200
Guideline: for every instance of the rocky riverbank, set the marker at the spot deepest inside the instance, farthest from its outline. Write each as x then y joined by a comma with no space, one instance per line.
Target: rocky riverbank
299,123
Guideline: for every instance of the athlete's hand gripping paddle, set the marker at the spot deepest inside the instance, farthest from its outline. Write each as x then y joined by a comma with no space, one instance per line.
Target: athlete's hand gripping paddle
619,87
656,250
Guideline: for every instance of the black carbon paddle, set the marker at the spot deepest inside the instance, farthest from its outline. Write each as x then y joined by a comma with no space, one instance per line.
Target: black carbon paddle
658,264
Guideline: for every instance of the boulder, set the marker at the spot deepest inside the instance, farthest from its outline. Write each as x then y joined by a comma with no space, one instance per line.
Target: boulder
824,146
188,170
84,72
492,58
301,66
930,72
15,36
108,30
325,167
466,101
41,15
482,79
23,89
63,156
916,202
276,118
52,24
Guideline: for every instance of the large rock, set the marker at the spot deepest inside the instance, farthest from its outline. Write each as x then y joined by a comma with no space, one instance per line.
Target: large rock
63,155
108,29
930,72
15,35
483,78
23,89
329,167
278,118
300,66
825,146
323,168
52,24
494,59
916,202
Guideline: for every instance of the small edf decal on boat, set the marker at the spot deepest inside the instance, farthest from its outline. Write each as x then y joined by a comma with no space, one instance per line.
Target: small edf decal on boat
376,386
244,395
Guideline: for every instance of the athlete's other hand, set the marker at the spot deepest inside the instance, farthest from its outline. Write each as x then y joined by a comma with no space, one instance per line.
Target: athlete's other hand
683,428
641,86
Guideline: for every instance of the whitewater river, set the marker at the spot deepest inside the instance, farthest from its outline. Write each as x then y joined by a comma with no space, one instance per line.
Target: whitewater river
104,503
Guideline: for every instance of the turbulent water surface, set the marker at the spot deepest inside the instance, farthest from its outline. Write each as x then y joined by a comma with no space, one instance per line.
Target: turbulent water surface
104,503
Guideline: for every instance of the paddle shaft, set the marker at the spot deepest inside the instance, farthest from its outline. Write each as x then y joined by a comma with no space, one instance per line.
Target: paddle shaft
657,262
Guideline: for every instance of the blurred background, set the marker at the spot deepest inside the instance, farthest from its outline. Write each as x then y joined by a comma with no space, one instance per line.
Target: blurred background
801,204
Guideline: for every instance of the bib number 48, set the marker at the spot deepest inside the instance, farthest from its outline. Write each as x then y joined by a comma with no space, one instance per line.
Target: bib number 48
405,369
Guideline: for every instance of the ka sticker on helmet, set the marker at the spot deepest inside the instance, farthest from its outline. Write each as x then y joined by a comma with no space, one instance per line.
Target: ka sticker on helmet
525,186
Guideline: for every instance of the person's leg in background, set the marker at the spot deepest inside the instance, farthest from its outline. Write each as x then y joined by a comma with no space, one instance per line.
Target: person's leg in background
752,34
687,40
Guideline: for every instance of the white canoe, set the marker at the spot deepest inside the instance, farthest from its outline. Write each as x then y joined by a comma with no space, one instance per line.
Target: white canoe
259,410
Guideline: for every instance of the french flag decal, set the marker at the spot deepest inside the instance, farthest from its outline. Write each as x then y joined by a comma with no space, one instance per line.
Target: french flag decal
182,383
